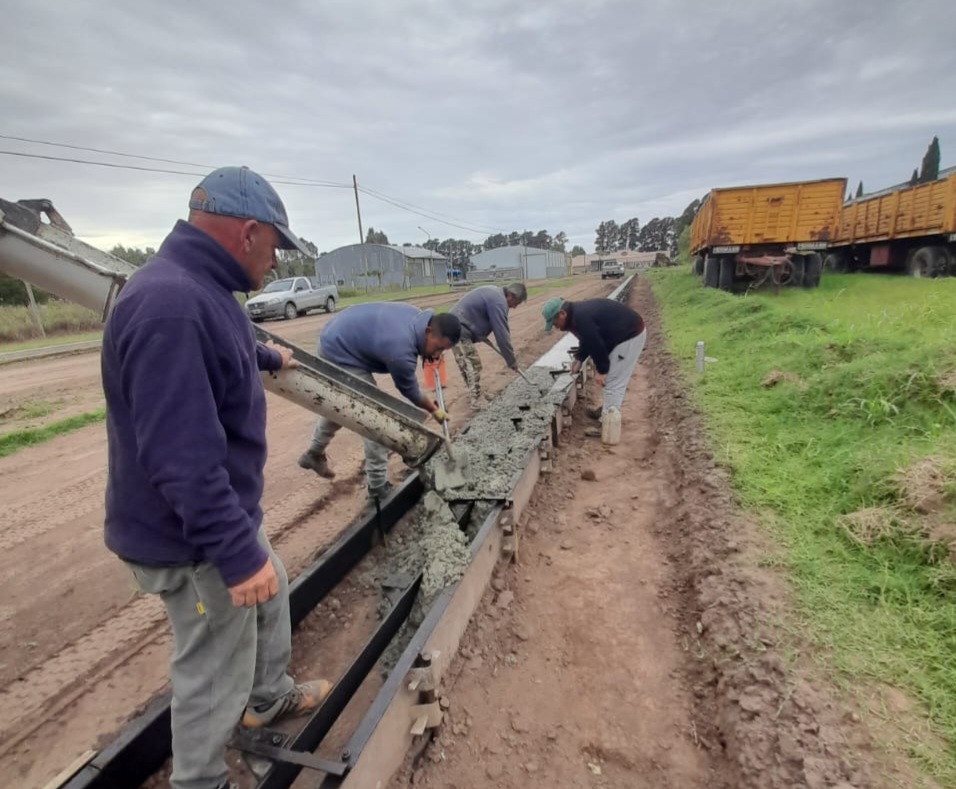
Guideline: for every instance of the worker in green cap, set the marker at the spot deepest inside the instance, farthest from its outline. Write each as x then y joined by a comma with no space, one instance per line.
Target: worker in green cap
611,334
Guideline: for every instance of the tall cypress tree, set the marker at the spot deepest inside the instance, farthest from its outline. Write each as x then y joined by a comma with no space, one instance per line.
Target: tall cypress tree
859,189
914,178
930,169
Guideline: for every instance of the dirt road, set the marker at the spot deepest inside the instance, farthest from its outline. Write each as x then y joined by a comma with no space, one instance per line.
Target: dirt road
80,650
637,642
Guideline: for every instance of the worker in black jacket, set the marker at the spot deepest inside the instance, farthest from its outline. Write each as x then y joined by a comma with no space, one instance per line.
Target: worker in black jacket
610,333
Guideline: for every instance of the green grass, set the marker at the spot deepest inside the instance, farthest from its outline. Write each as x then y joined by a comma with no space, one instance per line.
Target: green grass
869,352
45,342
29,436
59,318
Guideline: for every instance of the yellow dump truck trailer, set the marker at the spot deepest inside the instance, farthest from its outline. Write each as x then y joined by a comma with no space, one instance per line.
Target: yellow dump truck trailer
770,232
910,228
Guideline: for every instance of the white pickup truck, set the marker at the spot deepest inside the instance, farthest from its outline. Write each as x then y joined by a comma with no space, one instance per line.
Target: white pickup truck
611,269
290,297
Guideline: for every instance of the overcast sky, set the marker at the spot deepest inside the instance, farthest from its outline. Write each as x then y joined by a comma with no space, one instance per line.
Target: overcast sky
497,114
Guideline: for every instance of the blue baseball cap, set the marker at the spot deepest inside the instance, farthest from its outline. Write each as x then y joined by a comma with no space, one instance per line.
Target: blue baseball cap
240,192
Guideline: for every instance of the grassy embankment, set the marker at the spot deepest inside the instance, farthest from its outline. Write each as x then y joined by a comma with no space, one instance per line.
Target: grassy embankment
849,459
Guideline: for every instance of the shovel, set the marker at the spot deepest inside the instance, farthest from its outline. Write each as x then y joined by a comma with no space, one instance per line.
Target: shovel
454,473
491,345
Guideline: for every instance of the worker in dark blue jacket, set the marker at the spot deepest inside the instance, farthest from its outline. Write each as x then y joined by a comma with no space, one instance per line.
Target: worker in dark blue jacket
186,429
375,338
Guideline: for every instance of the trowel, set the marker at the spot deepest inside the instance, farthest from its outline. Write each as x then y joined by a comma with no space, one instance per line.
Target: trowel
491,345
455,472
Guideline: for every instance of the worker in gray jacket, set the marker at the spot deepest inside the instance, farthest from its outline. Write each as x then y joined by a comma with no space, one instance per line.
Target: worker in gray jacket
380,337
484,311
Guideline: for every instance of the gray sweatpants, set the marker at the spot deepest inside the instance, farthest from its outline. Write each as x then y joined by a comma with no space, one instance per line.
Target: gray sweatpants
225,658
624,358
376,455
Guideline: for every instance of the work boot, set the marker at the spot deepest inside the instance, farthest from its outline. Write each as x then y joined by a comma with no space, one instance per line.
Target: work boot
380,493
316,462
594,411
302,699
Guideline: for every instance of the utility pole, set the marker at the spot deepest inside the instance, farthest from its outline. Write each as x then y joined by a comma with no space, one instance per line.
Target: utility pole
358,213
34,309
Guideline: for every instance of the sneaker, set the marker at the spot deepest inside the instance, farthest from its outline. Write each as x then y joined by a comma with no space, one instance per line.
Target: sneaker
303,698
317,463
595,412
593,432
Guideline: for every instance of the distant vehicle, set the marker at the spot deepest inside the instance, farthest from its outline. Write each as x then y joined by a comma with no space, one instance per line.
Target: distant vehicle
909,228
611,269
291,297
769,233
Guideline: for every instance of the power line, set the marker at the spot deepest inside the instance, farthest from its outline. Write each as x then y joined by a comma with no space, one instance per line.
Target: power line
406,204
107,152
140,168
433,218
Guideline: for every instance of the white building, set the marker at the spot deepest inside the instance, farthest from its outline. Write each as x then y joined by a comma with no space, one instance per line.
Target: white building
532,263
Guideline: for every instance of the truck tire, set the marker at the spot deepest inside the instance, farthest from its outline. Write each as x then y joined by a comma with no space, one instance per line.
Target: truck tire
836,263
812,268
922,263
698,266
711,272
330,304
728,270
290,311
797,269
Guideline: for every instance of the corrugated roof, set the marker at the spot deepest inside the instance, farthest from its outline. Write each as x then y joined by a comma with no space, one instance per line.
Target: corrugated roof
416,252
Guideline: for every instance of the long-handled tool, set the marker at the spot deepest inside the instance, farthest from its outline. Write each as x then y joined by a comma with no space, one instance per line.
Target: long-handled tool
454,473
491,345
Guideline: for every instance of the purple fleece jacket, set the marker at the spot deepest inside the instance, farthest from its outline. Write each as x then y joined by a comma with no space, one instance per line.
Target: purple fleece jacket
185,412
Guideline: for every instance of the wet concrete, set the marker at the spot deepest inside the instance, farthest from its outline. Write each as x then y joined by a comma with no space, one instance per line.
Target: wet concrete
499,439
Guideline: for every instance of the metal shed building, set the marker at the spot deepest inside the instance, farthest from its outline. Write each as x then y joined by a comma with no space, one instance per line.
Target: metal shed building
406,267
534,263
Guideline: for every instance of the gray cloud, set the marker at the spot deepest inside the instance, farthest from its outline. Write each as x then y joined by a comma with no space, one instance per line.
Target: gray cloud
502,115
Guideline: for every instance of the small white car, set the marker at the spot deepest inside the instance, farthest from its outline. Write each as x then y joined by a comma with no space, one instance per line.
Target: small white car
611,269
291,297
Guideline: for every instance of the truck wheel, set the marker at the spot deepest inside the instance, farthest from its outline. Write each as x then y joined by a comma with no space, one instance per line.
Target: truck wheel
698,265
797,268
290,311
728,269
836,263
812,268
922,263
711,272
330,304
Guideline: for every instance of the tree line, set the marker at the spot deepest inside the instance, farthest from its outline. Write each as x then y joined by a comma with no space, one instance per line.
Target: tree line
660,233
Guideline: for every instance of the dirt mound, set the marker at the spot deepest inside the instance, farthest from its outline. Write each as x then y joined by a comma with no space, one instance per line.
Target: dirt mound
775,377
928,484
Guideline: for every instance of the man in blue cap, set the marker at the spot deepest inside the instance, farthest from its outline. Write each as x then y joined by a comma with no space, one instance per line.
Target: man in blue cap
610,333
186,420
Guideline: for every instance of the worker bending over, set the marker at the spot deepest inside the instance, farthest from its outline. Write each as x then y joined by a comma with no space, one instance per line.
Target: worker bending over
380,337
484,311
610,333
186,435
